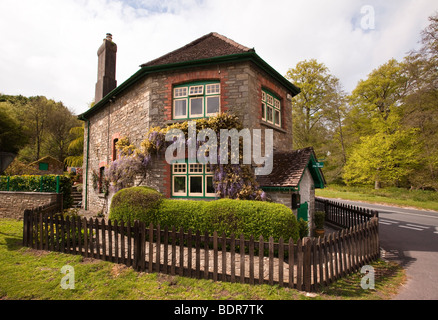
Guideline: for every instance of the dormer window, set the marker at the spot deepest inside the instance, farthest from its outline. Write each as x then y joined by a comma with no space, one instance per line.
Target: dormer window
196,100
271,108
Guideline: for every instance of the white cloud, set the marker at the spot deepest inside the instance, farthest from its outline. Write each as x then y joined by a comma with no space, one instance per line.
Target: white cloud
49,47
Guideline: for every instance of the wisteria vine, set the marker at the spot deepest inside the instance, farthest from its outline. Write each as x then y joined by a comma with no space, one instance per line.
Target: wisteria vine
234,181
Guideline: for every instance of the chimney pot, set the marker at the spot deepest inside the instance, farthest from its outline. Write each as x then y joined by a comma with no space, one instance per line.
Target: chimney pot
109,37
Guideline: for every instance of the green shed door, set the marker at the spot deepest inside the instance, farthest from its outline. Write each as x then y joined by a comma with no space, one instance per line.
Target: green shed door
303,211
43,166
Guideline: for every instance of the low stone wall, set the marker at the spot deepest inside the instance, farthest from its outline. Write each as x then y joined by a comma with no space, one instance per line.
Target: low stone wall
13,203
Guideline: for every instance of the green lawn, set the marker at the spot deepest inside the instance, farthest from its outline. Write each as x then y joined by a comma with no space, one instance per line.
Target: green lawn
427,200
30,274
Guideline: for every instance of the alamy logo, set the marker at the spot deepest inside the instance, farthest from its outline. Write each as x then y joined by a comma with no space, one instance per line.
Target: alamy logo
369,17
203,147
68,281
367,281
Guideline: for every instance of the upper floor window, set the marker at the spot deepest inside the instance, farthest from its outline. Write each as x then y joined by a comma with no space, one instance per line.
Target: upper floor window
271,108
196,100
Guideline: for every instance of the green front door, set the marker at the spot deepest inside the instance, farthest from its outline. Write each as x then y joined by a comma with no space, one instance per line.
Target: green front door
303,211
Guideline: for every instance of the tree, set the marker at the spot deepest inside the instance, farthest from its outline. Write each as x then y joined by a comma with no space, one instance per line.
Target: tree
45,122
58,136
76,147
12,138
421,105
383,158
374,126
318,113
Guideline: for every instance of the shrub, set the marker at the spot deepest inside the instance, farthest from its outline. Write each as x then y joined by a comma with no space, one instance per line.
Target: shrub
224,216
303,228
319,220
136,203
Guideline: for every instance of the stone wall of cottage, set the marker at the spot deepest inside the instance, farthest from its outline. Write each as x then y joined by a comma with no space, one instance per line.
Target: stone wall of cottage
148,103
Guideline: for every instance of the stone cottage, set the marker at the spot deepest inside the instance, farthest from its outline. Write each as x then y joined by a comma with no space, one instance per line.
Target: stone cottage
210,75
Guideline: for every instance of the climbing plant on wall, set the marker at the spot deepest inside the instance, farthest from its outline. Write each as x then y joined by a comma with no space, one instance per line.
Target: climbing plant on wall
235,181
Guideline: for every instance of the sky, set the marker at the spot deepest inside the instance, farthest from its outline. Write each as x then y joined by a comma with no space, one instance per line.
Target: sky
49,47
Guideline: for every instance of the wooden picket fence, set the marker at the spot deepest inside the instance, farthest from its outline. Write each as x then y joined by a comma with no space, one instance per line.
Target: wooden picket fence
305,265
344,215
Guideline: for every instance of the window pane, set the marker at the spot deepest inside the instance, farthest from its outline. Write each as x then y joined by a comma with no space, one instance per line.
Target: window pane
179,168
196,107
212,88
179,184
213,104
263,111
270,100
195,184
180,92
209,185
196,90
277,104
269,114
277,117
180,108
195,168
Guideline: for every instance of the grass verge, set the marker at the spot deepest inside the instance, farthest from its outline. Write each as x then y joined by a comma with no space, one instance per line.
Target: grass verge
427,200
27,274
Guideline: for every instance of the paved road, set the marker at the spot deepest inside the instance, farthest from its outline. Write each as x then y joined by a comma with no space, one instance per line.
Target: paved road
410,237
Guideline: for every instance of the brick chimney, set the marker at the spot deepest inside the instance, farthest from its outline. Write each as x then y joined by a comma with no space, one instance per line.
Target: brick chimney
106,71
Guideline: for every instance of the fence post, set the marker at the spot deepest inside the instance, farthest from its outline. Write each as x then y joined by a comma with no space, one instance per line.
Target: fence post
26,227
307,264
57,184
135,251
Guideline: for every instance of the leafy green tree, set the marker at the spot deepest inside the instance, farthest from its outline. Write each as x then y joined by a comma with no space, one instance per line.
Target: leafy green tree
318,113
374,126
76,147
421,105
12,138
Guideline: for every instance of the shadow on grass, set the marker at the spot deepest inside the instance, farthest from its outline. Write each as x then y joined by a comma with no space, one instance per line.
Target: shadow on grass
13,243
388,277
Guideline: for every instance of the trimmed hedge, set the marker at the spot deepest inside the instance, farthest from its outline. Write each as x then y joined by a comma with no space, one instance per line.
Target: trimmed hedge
224,216
136,203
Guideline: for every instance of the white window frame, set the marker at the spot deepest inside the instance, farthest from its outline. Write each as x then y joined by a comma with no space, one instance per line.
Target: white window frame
270,102
196,92
196,194
176,90
205,184
196,115
182,166
174,109
198,165
267,118
208,86
176,193
206,105
264,111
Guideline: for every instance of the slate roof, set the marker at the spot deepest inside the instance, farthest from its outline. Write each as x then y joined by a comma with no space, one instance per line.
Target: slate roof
288,168
209,46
